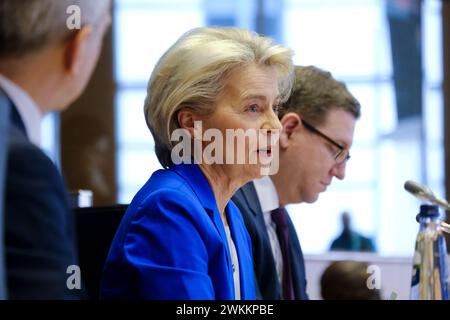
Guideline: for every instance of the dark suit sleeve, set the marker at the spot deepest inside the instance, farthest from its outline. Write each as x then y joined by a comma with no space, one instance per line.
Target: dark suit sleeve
267,283
298,264
38,226
4,136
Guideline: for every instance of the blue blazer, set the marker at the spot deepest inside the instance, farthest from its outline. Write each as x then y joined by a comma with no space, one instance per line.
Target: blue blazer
171,243
267,283
39,243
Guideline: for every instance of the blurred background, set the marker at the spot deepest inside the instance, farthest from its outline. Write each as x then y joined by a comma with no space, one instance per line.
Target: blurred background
389,52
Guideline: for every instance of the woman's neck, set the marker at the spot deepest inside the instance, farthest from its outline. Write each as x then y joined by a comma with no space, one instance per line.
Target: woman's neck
223,185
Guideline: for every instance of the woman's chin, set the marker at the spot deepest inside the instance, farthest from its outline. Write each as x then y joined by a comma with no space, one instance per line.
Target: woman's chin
259,170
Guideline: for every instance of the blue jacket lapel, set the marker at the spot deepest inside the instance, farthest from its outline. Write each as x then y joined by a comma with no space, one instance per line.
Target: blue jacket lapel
193,175
245,258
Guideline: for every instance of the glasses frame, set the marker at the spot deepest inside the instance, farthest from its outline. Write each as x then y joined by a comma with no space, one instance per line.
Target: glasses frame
333,142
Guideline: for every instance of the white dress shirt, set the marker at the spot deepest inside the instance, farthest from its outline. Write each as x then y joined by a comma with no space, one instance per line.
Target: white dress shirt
27,108
268,199
235,264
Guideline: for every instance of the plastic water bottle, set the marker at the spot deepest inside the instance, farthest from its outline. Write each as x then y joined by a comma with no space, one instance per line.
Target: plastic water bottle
430,266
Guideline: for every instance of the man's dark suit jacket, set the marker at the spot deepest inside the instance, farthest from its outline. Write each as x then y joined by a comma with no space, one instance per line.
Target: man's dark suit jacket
268,285
39,242
4,127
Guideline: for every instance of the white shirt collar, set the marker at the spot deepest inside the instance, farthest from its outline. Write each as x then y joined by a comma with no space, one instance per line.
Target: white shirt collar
267,194
27,108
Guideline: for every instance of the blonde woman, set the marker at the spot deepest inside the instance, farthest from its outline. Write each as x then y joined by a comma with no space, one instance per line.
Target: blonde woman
182,237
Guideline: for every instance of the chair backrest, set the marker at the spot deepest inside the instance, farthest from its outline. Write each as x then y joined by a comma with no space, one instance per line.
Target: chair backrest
95,230
4,134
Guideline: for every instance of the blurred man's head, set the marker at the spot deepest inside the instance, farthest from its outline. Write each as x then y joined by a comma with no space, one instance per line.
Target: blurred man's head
346,220
42,50
318,124
347,280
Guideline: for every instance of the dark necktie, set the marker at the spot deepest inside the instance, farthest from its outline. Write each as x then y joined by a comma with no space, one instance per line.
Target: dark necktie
279,216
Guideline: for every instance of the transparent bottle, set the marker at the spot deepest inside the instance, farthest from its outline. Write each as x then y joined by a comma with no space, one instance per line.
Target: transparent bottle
430,265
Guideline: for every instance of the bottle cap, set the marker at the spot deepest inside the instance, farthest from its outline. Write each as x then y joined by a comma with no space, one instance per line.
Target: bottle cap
428,211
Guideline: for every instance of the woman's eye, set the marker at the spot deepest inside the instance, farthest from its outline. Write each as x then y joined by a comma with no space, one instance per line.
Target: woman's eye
276,108
253,108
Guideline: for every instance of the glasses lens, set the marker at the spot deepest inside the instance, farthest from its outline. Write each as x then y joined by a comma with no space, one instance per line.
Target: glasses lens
342,156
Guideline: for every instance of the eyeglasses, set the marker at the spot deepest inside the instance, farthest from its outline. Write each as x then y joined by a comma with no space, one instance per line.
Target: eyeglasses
343,154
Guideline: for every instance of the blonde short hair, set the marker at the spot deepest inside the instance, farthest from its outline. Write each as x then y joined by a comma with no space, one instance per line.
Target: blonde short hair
192,72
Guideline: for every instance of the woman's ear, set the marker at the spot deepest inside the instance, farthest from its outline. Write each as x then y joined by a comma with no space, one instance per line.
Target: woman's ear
290,124
186,120
76,50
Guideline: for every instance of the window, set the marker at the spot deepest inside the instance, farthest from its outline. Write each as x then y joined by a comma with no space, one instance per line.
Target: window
144,31
351,39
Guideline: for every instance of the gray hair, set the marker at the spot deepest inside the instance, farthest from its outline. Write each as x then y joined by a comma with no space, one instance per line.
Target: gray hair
192,74
30,25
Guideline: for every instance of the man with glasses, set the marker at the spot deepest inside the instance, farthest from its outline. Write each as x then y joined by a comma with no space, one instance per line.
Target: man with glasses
318,123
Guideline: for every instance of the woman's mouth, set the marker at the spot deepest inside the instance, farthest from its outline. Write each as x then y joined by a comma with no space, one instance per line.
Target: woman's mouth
265,152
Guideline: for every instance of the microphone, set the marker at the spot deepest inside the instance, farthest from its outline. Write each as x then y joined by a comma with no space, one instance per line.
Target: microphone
424,193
